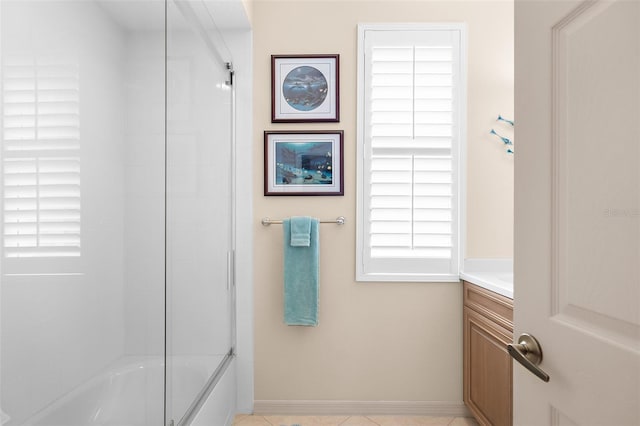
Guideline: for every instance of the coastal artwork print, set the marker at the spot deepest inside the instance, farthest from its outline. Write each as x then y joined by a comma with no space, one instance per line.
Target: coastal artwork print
303,163
304,88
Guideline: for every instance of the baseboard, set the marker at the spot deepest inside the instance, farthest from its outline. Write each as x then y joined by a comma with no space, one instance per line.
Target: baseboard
326,408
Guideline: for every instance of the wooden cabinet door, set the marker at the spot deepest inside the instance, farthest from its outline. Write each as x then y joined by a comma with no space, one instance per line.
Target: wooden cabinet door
487,370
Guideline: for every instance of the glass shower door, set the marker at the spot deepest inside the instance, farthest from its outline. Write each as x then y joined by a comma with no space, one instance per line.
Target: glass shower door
199,207
82,192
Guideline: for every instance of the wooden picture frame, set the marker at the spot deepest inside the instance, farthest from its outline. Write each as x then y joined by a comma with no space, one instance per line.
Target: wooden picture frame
304,163
305,88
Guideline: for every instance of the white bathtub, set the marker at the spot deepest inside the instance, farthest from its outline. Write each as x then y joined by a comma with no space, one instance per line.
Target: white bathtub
129,393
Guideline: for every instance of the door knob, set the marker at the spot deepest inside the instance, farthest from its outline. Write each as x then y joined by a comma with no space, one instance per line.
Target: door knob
528,353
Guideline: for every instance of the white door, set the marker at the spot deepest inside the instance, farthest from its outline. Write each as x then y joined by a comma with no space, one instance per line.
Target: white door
577,210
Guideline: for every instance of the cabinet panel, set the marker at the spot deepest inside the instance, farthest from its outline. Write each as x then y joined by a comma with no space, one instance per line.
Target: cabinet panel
487,364
492,305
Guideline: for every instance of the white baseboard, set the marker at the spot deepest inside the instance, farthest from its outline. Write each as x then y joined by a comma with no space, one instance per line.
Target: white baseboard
326,408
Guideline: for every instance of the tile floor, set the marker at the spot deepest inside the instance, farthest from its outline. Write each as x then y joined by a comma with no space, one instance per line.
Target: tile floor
246,420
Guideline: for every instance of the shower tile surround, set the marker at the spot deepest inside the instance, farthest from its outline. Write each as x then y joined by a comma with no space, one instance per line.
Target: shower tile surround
49,318
118,289
246,420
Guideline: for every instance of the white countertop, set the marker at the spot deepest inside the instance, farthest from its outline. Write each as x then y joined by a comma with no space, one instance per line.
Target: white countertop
493,274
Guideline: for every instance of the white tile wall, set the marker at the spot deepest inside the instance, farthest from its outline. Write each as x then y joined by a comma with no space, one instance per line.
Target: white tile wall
144,189
198,197
57,330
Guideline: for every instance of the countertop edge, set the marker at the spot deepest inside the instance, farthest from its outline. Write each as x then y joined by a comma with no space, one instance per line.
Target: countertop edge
488,281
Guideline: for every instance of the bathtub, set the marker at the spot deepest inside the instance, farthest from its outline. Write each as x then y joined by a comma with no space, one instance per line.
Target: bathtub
130,393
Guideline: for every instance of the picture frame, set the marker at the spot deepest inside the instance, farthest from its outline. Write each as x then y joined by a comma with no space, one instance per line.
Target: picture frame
305,88
304,162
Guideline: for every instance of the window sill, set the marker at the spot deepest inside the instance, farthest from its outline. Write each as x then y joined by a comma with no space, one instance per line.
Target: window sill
414,278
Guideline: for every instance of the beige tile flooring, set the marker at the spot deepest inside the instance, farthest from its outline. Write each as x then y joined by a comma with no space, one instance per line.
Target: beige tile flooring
246,420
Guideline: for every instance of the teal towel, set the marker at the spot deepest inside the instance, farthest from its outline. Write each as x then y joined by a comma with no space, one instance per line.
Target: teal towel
301,287
300,231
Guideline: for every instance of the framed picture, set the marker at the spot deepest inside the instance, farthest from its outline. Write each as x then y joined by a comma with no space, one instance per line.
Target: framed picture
305,88
303,163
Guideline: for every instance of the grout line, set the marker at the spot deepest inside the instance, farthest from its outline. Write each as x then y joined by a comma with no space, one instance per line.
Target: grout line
368,418
266,420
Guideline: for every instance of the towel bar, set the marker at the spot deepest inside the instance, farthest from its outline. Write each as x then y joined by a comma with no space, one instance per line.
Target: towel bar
266,221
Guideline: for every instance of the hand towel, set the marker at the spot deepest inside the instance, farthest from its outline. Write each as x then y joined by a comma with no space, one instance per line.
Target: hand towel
300,231
301,267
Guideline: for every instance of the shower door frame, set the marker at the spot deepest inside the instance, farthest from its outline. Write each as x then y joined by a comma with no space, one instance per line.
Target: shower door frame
186,419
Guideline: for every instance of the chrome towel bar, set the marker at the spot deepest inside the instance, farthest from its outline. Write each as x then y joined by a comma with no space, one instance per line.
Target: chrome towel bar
338,221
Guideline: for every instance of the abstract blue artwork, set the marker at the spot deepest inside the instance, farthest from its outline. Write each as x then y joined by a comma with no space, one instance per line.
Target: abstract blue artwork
304,163
305,88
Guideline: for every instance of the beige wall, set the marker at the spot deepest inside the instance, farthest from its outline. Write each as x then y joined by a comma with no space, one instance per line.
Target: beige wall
375,341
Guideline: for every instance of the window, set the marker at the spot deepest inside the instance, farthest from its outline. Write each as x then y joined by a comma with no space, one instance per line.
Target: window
41,158
411,116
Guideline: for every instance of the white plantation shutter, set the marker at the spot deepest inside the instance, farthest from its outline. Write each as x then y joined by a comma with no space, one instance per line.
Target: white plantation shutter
41,158
410,131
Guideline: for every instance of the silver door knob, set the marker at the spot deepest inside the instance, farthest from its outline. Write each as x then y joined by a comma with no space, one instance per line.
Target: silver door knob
528,353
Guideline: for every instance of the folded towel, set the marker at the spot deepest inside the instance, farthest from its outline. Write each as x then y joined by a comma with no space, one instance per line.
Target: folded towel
300,231
301,287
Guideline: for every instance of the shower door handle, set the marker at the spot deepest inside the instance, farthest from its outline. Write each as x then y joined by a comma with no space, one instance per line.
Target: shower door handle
228,270
231,263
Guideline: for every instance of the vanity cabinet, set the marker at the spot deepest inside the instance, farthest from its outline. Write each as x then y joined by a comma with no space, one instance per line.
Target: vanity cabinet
488,329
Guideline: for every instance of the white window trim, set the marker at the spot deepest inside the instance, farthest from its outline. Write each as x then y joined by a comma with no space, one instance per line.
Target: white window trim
460,176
